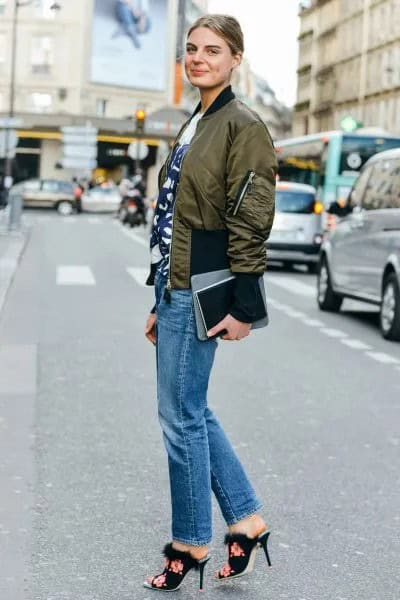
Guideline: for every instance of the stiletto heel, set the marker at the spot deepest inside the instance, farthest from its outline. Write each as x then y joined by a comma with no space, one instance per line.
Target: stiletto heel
242,554
202,565
177,566
263,542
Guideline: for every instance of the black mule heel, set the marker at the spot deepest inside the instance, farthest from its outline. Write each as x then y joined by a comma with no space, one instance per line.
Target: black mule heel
263,543
241,555
202,565
177,566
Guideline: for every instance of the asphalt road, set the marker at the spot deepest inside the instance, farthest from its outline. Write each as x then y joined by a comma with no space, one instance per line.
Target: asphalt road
312,404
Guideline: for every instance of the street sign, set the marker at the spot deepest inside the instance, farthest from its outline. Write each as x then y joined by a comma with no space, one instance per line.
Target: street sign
138,150
10,122
78,163
71,151
348,123
8,143
79,147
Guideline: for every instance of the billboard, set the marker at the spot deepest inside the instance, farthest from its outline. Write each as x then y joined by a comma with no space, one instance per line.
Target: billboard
129,43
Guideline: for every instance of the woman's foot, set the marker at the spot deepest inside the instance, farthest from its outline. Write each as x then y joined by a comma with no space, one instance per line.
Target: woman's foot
197,552
251,526
177,564
242,542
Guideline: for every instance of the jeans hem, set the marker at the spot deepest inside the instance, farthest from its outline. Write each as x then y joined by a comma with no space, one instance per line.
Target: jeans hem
244,515
188,542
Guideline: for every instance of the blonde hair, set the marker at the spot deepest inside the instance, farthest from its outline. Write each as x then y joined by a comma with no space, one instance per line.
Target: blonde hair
226,27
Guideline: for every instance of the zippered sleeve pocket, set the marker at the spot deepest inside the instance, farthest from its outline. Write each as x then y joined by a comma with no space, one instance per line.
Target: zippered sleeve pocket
243,189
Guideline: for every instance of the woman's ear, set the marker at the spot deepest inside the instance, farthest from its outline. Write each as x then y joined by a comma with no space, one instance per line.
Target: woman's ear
237,60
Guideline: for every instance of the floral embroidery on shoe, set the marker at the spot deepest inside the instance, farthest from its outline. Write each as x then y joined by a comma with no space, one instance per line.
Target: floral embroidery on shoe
159,581
226,570
236,550
176,566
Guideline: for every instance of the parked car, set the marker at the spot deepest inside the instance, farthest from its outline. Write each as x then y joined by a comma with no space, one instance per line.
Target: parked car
360,258
296,234
48,193
102,198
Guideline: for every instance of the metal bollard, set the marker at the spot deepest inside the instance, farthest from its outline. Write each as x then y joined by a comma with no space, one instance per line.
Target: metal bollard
15,211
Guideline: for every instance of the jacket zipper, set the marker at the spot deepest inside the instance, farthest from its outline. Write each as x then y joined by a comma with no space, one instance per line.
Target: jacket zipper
248,180
167,291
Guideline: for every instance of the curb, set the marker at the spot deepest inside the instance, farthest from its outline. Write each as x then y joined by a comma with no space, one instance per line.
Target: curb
10,260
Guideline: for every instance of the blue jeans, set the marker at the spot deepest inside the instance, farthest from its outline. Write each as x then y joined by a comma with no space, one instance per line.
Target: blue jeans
200,456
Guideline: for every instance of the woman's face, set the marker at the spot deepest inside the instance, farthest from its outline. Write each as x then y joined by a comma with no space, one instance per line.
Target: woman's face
208,60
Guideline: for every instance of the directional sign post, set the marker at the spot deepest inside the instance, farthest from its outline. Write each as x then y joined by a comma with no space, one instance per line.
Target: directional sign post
79,148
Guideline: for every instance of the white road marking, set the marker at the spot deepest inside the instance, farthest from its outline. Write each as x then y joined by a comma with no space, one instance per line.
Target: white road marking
94,220
135,237
335,333
75,275
356,344
296,314
292,285
313,323
139,274
384,358
69,219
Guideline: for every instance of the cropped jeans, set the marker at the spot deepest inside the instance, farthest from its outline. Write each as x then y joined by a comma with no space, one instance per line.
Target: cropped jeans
201,459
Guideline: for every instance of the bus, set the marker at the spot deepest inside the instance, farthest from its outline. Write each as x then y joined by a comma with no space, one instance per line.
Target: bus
330,161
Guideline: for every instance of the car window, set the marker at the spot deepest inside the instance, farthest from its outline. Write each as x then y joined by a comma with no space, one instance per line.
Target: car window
294,202
32,186
66,187
50,186
360,186
383,191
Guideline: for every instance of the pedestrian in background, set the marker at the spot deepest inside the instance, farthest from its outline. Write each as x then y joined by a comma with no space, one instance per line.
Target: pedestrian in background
219,217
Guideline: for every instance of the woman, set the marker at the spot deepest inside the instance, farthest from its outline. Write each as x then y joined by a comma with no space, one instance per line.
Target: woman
215,211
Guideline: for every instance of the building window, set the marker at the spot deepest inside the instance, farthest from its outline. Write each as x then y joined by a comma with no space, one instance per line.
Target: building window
40,102
101,107
42,55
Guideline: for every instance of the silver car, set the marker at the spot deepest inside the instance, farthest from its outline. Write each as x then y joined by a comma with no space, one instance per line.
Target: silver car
360,258
296,234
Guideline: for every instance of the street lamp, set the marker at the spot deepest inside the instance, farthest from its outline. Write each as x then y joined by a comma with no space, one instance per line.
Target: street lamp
11,109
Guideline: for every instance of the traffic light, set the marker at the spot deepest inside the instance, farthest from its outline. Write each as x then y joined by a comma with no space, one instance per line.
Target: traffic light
140,120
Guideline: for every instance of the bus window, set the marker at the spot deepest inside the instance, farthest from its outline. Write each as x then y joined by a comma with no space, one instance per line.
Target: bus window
357,150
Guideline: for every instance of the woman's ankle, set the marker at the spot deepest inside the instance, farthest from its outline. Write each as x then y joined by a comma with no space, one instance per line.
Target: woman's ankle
252,526
197,552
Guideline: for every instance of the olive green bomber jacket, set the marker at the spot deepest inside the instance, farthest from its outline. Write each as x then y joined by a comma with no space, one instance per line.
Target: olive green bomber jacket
224,205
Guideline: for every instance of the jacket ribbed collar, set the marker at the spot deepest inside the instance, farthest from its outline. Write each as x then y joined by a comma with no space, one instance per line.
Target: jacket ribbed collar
223,98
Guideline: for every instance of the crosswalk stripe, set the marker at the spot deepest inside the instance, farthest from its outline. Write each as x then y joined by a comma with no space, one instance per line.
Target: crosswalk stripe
75,275
139,274
94,220
135,237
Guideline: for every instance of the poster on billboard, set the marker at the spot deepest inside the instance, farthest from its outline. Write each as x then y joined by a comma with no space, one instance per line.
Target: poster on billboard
129,43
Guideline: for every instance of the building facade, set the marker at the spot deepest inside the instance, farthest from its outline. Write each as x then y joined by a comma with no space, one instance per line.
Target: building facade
83,64
349,54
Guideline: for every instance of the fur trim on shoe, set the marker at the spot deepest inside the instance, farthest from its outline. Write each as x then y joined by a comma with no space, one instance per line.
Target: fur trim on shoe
173,554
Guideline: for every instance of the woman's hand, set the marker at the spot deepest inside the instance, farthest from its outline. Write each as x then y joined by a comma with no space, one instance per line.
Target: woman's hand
150,329
235,330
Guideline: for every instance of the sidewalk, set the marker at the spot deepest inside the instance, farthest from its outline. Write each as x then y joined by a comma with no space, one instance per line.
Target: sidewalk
12,244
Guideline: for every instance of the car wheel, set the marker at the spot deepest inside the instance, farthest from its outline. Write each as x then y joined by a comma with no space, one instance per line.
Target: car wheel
390,308
65,208
327,299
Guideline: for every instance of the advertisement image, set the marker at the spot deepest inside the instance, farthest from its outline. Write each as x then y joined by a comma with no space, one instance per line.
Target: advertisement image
129,43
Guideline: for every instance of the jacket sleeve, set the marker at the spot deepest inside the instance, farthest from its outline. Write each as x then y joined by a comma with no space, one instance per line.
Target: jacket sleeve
251,168
250,177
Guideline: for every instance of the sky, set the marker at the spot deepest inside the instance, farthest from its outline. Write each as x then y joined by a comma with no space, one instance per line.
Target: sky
270,30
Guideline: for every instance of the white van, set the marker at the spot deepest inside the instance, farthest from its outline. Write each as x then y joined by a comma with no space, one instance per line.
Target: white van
296,234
